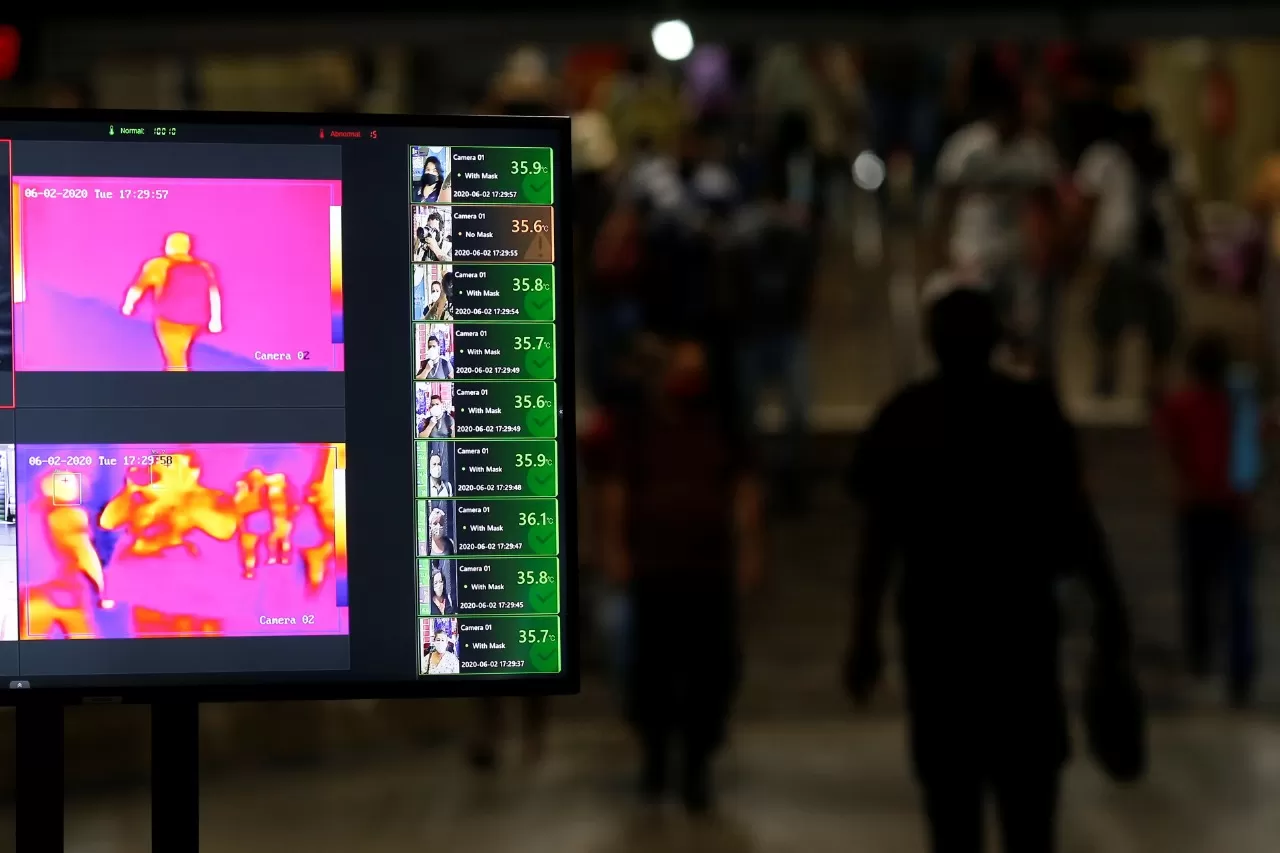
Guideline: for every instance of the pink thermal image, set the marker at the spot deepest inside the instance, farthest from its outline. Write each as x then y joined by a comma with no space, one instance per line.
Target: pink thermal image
225,540
264,245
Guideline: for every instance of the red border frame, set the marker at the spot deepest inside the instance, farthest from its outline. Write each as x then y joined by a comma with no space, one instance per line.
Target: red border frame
13,373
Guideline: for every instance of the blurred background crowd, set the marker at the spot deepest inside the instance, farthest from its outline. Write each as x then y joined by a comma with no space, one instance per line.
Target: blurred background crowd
762,223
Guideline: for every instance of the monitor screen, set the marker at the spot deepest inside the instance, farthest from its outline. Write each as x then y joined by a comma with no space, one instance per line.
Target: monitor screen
283,406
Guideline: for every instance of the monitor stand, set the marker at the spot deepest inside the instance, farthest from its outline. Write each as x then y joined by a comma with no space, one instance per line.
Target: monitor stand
175,778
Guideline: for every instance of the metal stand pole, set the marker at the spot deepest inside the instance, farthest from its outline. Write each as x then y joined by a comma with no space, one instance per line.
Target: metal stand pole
175,777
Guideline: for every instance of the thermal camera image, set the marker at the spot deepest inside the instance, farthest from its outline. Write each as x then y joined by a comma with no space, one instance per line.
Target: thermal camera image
177,274
229,540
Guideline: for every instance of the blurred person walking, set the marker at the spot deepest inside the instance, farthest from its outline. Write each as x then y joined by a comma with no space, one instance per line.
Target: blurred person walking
903,86
1133,193
489,720
1265,204
997,177
1211,428
680,521
974,481
769,276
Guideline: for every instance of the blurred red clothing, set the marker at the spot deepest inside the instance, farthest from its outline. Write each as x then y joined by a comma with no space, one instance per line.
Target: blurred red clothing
1195,424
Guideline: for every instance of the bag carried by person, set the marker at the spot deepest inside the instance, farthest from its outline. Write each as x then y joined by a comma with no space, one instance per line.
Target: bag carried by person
1115,719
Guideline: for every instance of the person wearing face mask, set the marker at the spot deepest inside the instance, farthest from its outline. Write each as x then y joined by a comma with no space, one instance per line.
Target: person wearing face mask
435,366
439,423
442,603
438,307
437,659
700,491
441,544
439,486
433,186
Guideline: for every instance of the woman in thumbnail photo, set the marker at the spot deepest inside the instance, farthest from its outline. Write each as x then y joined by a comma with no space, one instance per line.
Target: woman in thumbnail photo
439,294
441,600
440,529
439,651
432,290
431,179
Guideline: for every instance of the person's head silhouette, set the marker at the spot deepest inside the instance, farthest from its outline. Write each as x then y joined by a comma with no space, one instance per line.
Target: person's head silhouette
177,244
964,331
1209,360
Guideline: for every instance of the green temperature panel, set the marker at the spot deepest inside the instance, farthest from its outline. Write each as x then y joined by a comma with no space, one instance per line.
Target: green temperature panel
504,351
489,585
501,175
491,645
498,526
504,292
485,373
469,468
487,410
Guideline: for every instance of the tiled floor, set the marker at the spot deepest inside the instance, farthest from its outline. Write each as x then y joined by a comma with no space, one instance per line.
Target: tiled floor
834,786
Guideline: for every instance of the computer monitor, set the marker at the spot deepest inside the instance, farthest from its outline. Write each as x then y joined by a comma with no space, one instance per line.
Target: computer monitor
285,407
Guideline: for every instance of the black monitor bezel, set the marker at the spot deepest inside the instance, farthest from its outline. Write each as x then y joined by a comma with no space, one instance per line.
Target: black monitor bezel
237,687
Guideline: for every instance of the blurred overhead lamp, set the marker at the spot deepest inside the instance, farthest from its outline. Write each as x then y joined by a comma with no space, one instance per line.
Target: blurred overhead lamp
868,171
672,40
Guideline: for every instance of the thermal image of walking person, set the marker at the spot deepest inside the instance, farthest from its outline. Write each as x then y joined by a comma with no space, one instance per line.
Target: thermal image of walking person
63,603
187,299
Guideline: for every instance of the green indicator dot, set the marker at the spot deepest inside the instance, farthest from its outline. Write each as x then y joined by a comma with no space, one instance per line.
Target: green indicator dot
536,188
545,657
542,481
540,363
541,422
539,306
543,539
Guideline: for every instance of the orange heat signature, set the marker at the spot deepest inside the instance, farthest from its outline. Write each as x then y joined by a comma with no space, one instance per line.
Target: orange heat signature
331,553
159,507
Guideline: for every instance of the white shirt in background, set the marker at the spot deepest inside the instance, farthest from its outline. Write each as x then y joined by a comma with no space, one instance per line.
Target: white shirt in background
992,177
1106,173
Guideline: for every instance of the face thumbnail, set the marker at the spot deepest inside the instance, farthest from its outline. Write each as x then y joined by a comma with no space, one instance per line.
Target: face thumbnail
442,538
432,292
433,417
8,549
432,234
439,471
434,344
231,540
440,646
431,175
177,274
437,588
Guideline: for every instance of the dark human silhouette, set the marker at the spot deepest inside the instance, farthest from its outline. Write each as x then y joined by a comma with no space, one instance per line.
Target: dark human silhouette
1203,430
681,531
971,482
490,713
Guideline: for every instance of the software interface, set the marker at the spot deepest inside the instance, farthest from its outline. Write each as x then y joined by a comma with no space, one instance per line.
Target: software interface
200,321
